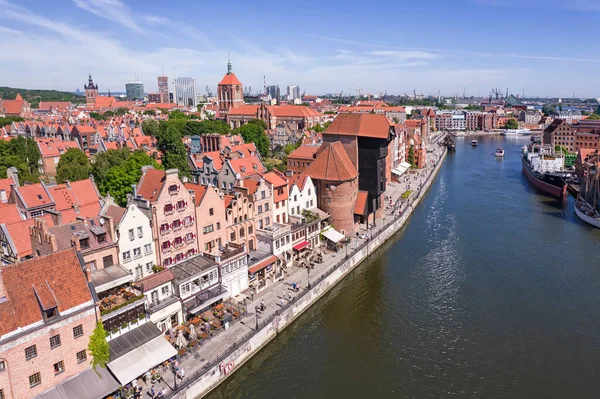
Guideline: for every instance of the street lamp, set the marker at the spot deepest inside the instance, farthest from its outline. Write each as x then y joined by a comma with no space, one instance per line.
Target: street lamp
256,313
347,249
308,276
174,376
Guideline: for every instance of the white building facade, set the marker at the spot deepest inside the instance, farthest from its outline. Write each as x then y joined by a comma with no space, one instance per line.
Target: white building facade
185,92
136,244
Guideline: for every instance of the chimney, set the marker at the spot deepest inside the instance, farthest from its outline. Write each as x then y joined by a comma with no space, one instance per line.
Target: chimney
68,183
13,174
134,189
75,243
88,273
111,228
2,288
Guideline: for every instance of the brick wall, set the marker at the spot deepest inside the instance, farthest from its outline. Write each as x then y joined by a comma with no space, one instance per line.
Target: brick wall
339,202
15,380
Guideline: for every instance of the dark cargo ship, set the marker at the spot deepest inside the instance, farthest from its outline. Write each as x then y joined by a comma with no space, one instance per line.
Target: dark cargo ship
544,170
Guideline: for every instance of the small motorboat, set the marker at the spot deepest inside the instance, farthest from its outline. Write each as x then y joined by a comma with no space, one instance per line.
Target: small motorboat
500,152
474,143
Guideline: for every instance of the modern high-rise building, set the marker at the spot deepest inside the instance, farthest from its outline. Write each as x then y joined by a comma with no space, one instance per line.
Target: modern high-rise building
135,90
274,92
163,89
293,92
185,92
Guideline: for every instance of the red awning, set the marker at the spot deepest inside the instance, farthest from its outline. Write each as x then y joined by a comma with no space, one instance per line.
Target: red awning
301,246
262,264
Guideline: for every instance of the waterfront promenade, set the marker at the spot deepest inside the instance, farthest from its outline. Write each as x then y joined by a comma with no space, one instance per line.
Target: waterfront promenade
219,346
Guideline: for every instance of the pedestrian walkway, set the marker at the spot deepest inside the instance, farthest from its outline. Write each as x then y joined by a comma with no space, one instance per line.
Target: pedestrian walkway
277,295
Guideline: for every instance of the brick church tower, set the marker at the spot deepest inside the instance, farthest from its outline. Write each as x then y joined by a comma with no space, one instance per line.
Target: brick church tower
91,91
230,92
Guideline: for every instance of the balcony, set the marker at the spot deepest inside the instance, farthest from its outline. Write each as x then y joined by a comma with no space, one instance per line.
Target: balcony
157,305
274,231
205,299
119,300
221,255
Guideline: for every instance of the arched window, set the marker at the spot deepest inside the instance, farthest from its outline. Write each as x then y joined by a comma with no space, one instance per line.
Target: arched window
242,232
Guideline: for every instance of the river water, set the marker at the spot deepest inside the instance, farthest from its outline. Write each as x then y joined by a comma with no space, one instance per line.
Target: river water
491,290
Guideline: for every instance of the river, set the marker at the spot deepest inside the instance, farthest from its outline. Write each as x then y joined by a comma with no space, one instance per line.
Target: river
491,290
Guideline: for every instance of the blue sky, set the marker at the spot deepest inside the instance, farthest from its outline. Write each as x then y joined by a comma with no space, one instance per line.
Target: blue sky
544,47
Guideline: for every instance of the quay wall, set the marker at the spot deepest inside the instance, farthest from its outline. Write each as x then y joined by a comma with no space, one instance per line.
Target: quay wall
268,329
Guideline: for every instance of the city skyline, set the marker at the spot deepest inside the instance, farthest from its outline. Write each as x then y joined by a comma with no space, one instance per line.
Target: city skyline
469,46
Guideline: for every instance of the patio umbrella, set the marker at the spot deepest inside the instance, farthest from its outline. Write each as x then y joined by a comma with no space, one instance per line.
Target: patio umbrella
193,334
181,341
171,336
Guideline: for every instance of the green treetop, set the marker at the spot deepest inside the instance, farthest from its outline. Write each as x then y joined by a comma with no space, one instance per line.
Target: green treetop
98,347
73,166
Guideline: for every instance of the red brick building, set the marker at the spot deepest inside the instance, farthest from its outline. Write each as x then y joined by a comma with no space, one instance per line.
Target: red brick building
230,92
336,183
48,315
301,158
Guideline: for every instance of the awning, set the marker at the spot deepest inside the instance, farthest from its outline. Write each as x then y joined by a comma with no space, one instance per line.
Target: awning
110,277
301,246
262,264
135,363
85,385
333,235
403,167
361,203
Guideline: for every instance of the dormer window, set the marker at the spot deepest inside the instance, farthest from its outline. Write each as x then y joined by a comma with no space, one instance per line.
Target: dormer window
84,243
102,237
173,189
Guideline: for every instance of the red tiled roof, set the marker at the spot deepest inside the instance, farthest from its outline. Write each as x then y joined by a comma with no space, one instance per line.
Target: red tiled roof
298,180
150,184
291,111
227,200
85,191
54,147
332,164
275,178
304,152
57,105
89,211
262,264
230,79
34,195
245,110
155,280
9,213
361,203
251,185
246,166
362,125
85,129
19,233
198,189
12,107
18,97
65,283
5,185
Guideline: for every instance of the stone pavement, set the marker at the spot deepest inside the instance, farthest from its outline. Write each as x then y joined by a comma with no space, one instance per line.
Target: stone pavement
273,296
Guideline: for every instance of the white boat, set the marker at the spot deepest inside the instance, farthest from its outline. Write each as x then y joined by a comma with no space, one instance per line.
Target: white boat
586,214
524,149
515,132
500,152
474,143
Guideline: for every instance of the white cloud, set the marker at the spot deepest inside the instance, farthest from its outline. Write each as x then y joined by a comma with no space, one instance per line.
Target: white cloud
113,10
406,55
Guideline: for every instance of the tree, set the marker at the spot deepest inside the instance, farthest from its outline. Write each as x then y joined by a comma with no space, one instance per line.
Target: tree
121,111
594,116
98,347
396,120
97,116
252,133
174,155
105,161
24,155
547,109
150,112
73,166
150,127
8,120
411,157
260,123
511,124
121,177
177,114
597,110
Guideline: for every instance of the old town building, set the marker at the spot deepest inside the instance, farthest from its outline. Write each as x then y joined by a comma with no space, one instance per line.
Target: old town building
336,182
301,157
239,215
560,133
366,139
48,314
162,304
91,91
173,214
230,92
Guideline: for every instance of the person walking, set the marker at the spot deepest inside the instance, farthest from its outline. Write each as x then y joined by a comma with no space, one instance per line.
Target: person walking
262,305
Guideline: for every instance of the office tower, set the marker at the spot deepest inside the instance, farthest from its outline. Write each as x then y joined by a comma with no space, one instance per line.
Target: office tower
185,92
163,89
135,90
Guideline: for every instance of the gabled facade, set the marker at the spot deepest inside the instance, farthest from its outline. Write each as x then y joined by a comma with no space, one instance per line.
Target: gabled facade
162,304
280,190
302,195
173,215
137,251
239,216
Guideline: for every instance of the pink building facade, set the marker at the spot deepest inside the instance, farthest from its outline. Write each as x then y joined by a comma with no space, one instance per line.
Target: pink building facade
173,215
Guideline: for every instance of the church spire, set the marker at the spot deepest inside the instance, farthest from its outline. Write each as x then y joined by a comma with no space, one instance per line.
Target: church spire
228,65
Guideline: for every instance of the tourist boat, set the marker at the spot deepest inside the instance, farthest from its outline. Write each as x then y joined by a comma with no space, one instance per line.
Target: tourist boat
500,152
474,143
515,132
524,149
544,169
587,206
